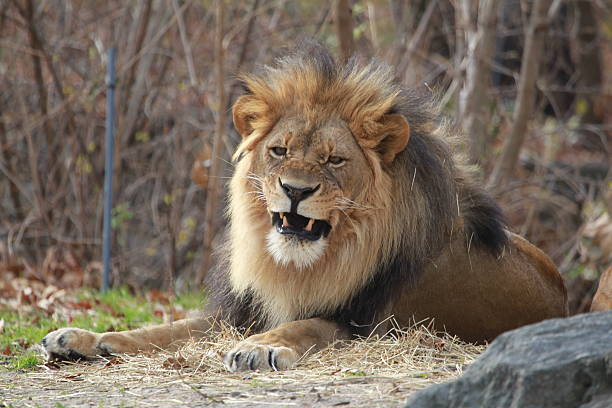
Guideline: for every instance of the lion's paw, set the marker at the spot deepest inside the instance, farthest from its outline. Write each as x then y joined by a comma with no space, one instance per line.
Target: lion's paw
72,344
251,356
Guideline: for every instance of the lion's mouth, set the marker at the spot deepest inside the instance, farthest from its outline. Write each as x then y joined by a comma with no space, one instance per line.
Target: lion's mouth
305,228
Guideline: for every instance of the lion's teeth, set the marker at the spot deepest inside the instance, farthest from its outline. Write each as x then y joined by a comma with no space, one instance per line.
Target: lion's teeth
282,215
310,224
285,222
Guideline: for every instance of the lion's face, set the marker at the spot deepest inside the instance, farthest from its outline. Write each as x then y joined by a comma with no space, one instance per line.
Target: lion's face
320,143
310,174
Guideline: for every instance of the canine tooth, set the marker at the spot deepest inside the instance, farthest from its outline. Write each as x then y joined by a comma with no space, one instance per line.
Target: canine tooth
285,222
282,215
310,224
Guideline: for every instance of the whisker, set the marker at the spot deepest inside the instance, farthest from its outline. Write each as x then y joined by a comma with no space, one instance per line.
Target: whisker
228,162
255,181
347,207
348,203
258,195
349,218
255,178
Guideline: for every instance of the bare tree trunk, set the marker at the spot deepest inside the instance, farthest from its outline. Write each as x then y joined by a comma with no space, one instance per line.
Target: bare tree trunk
460,30
416,39
139,81
28,14
212,196
138,36
180,22
244,47
534,43
590,82
373,22
4,141
171,272
233,138
473,96
397,8
4,158
344,28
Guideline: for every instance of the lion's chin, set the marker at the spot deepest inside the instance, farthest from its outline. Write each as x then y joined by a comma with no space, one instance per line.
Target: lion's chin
286,249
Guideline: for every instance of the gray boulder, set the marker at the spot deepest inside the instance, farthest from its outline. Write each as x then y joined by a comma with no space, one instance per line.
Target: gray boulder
556,363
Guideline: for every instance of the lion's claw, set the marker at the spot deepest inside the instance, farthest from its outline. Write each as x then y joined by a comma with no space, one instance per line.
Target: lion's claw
251,356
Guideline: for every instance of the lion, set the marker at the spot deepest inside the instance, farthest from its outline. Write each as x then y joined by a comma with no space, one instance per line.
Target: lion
349,204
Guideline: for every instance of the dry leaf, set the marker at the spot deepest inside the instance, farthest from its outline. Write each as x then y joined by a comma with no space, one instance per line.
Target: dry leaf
175,363
114,360
158,296
51,365
201,165
75,377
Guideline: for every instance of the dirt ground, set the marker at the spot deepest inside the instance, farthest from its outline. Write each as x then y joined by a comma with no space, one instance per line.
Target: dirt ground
47,390
373,373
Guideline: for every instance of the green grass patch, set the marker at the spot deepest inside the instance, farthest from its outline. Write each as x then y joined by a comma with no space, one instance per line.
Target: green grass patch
191,300
116,310
26,361
355,373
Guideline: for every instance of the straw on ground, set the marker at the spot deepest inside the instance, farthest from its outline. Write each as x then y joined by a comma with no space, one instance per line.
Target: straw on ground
368,372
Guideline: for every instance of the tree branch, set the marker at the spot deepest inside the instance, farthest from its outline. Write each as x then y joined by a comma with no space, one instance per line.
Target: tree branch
212,196
473,96
344,28
534,43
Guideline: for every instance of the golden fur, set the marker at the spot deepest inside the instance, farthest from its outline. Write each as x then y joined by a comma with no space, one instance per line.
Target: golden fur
349,204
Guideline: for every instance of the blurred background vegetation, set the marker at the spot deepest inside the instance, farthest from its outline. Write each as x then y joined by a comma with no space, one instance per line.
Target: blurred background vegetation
529,81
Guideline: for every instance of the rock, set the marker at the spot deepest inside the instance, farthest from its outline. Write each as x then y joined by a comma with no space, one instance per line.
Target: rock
560,363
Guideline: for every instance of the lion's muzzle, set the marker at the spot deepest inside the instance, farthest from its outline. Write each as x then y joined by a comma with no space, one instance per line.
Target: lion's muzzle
297,194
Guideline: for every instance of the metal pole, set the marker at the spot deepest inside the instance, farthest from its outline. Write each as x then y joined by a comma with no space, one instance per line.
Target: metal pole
108,165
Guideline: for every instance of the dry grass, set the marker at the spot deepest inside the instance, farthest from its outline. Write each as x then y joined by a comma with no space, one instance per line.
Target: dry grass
373,372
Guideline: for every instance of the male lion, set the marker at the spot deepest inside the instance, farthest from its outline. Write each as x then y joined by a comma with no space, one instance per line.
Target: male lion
349,205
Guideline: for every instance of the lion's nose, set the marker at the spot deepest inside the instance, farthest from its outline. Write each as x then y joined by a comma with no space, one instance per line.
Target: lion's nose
297,194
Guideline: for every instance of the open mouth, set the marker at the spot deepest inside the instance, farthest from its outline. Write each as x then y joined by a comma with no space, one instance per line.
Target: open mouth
305,228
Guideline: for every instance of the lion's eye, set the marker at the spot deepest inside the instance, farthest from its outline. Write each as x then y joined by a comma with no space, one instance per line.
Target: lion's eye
336,161
278,151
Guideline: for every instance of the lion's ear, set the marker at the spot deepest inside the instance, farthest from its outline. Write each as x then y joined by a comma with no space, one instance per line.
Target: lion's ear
253,119
396,132
243,114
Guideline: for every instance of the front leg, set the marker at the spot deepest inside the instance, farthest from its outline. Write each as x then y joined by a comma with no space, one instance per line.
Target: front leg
280,348
76,344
